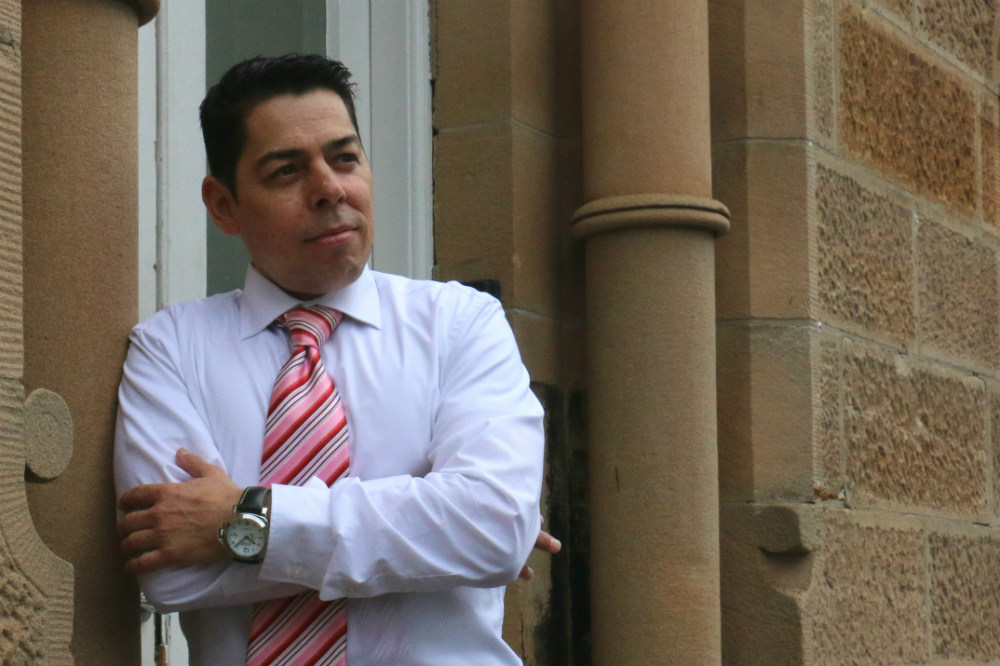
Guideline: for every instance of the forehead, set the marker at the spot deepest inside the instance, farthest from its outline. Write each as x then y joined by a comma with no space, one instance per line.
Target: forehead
295,121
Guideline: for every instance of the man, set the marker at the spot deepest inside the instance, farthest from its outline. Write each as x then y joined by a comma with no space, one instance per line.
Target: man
440,507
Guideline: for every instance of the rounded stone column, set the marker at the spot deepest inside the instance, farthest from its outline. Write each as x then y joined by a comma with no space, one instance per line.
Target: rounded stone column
649,227
79,134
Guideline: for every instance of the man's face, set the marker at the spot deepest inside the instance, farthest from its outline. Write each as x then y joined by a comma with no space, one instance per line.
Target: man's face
305,194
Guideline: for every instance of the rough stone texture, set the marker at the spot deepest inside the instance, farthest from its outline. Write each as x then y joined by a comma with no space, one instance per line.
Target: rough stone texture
22,617
915,436
965,597
989,137
905,115
902,8
994,404
959,296
50,578
964,28
864,258
867,598
821,105
828,431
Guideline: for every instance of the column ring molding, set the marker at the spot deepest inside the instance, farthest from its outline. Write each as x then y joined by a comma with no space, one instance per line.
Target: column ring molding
638,211
145,9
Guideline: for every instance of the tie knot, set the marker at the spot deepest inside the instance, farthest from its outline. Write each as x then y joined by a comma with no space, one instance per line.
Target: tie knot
311,325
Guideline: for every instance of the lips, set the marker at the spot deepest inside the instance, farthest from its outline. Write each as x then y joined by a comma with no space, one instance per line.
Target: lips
333,235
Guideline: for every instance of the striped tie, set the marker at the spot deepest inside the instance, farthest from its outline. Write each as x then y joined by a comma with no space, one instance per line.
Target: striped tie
305,435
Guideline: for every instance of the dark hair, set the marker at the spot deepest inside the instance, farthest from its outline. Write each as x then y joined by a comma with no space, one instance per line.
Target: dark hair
251,82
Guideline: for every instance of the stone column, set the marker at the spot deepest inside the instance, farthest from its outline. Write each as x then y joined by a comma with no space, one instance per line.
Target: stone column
80,273
649,227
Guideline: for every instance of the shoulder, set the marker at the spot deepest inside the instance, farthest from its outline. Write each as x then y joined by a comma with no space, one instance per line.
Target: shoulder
449,315
448,299
176,319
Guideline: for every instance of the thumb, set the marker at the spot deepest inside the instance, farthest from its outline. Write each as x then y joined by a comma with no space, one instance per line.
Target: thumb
195,465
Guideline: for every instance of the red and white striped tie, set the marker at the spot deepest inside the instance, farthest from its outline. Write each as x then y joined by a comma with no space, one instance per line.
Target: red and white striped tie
305,435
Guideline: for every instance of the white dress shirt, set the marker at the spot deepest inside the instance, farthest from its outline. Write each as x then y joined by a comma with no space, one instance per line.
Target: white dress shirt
440,509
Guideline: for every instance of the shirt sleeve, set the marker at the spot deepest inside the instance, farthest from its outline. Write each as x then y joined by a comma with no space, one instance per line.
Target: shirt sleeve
155,418
472,520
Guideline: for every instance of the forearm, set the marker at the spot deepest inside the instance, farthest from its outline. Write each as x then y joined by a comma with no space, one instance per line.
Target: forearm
400,534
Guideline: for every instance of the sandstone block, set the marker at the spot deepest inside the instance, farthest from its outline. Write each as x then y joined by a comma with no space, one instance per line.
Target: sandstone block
765,387
473,204
471,59
902,8
536,64
965,596
821,61
993,394
496,212
864,258
758,82
989,155
963,28
919,128
959,296
761,619
828,432
535,223
540,343
763,262
914,435
868,593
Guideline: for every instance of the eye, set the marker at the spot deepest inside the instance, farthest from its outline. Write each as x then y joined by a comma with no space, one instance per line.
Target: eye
348,158
283,171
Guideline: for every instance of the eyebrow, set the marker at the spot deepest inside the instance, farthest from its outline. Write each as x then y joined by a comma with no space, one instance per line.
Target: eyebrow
292,153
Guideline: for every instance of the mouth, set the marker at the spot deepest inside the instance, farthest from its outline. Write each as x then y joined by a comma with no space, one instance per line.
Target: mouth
332,236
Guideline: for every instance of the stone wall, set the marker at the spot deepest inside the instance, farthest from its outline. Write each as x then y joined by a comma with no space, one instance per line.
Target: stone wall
506,182
857,145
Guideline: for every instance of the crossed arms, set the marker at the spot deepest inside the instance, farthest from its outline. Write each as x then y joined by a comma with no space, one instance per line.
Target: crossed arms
465,520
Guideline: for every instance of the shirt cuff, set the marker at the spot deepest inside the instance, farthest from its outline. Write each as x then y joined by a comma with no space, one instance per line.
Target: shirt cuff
301,539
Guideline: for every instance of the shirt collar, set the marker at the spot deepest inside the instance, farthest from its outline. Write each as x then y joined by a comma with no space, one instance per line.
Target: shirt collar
262,302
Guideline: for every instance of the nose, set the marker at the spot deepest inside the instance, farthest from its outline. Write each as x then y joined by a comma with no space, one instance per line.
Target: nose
327,188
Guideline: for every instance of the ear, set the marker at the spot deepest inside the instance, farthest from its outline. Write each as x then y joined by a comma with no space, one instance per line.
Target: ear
220,204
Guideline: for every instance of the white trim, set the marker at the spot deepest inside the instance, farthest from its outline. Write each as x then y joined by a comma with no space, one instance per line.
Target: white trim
181,245
348,39
401,127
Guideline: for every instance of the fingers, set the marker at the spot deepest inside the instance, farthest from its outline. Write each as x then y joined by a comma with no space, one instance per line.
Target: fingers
527,573
147,562
140,497
548,543
195,465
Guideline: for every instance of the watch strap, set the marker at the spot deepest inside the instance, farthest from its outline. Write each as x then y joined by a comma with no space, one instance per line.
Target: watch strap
254,499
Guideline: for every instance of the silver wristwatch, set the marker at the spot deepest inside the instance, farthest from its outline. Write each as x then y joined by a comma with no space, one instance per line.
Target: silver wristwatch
244,535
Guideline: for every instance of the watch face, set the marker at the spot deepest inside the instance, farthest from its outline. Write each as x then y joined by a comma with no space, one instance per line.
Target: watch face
246,536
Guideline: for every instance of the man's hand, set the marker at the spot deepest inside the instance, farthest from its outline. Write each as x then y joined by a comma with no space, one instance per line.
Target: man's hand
170,524
545,543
